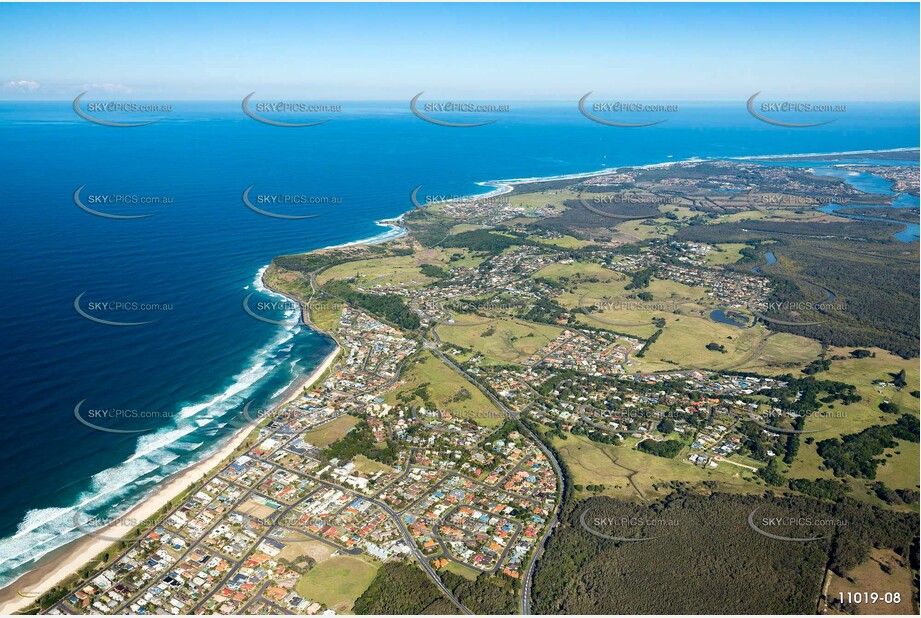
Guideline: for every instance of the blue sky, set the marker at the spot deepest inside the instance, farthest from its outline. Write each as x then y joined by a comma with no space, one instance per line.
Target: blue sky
477,51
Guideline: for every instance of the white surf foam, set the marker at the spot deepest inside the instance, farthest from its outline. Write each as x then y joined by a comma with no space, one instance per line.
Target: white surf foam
43,530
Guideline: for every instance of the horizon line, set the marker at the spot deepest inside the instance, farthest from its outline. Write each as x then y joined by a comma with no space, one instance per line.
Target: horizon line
127,96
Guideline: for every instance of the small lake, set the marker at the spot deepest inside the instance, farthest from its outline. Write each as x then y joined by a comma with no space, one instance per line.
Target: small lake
730,317
771,259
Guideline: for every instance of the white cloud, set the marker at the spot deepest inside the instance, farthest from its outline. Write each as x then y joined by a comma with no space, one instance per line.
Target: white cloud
22,85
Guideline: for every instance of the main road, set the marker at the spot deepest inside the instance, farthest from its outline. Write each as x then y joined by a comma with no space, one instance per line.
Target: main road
525,601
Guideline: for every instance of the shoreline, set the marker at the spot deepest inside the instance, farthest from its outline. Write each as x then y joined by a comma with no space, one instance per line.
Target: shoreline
504,186
65,561
396,231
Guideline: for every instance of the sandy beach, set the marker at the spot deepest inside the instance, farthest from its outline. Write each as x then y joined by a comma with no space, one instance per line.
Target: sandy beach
61,564
65,561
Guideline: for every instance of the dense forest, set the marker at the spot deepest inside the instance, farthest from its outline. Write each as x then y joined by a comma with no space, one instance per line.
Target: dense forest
661,448
829,275
484,241
360,441
487,594
390,307
710,560
402,588
855,454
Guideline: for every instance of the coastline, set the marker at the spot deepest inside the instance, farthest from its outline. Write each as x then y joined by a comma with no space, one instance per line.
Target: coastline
62,563
396,231
67,560
508,185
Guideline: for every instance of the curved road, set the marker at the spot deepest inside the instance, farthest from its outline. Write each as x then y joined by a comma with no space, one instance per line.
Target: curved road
525,602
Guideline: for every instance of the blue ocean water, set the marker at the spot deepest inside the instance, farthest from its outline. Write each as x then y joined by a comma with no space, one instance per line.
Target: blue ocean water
202,356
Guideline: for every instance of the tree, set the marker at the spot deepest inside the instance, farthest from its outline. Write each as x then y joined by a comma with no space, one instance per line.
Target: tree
666,425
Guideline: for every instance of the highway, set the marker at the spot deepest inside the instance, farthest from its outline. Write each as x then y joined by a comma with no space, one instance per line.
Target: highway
525,601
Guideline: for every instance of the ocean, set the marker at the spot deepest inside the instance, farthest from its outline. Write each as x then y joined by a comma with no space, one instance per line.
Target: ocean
97,413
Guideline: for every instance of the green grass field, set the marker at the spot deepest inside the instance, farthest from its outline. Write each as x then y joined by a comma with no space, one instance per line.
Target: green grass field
327,433
579,270
325,314
566,242
725,254
499,340
337,582
901,469
783,353
684,339
443,388
369,466
459,569
628,473
398,270
871,577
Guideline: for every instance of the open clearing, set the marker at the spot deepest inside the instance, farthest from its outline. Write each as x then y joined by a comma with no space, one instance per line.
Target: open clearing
444,390
871,577
499,340
327,433
317,550
631,474
337,582
900,470
459,569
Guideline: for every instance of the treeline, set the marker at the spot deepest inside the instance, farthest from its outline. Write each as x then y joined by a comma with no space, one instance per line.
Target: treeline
360,441
642,351
304,262
487,594
855,453
546,311
884,314
703,558
824,489
640,278
485,241
895,496
743,231
618,211
402,588
803,396
390,307
661,448
434,271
